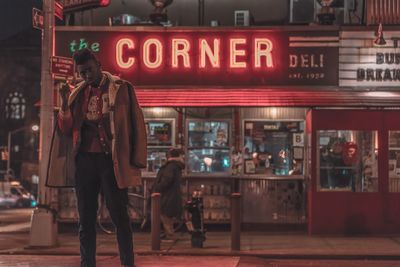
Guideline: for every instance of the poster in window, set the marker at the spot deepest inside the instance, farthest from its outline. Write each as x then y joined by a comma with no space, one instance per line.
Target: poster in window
298,139
250,167
298,153
159,133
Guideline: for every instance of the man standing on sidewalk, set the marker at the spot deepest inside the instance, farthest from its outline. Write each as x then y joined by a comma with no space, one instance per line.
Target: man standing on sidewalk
100,144
168,184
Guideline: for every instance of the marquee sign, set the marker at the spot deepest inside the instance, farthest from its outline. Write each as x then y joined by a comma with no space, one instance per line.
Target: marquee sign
182,57
362,63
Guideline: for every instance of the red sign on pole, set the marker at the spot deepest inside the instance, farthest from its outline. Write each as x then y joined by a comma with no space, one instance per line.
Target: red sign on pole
62,66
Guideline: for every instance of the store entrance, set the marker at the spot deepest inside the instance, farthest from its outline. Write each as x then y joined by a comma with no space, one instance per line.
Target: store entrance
355,171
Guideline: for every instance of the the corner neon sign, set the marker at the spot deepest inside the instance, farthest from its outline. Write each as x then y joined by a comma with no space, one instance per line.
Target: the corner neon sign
207,57
152,53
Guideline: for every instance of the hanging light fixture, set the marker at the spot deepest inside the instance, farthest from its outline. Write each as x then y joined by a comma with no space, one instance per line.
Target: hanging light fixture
379,40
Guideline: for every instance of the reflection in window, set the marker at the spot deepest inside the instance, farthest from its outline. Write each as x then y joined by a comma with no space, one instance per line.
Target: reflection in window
208,146
15,106
394,161
348,160
156,157
273,147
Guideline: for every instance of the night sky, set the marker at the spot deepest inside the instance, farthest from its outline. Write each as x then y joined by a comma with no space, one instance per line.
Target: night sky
16,16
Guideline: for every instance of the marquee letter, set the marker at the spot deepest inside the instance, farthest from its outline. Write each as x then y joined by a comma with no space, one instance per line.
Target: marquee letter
180,48
213,55
263,48
234,52
146,53
119,51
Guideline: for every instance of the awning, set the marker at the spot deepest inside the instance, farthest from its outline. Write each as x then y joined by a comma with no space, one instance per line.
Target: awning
262,97
255,97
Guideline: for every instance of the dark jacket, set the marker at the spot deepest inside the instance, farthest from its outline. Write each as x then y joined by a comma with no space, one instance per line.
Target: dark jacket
129,143
168,184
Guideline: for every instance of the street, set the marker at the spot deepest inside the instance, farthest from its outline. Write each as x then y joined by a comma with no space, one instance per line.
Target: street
14,238
15,220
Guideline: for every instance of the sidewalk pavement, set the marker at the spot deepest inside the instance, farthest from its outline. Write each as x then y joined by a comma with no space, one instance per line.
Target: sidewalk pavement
265,245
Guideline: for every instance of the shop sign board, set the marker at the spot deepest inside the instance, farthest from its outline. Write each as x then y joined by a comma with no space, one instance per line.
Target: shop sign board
79,5
362,63
62,66
214,57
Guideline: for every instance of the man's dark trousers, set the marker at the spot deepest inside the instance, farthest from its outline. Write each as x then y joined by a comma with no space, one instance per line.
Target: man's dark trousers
95,172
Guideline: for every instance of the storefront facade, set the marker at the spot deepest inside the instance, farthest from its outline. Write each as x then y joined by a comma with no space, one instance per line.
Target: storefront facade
355,179
247,106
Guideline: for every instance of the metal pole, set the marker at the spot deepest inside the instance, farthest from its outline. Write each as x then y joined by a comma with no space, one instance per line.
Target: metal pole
46,98
43,226
155,221
235,221
9,151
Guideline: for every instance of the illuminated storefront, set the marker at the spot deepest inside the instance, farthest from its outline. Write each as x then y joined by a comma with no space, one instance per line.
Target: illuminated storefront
247,106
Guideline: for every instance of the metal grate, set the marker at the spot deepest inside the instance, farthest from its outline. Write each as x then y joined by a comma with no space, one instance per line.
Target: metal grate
383,11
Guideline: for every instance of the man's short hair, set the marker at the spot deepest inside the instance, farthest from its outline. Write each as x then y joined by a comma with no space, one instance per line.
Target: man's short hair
84,55
174,152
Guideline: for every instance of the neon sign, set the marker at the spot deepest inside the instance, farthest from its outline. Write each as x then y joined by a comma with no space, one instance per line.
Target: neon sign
180,53
196,57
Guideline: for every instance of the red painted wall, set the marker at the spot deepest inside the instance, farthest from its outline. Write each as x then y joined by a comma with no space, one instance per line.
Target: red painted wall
354,212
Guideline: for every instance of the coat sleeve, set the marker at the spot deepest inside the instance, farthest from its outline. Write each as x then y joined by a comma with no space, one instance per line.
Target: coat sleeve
138,148
166,179
65,121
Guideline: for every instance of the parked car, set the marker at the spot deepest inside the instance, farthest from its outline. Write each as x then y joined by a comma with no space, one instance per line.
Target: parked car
12,194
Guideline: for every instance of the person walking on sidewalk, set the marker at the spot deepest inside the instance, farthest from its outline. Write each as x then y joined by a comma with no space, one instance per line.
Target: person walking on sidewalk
99,145
168,184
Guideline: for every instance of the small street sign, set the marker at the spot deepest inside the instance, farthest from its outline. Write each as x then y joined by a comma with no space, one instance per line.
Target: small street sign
37,19
62,66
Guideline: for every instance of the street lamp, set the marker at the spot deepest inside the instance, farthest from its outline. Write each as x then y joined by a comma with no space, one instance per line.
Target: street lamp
34,128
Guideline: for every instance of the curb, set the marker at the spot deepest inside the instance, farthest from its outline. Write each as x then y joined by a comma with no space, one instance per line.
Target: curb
226,254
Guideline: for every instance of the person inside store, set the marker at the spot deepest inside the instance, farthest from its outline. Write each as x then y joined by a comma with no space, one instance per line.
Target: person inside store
108,147
217,164
168,184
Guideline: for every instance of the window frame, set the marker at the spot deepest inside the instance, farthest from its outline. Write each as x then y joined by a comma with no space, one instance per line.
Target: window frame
274,176
227,148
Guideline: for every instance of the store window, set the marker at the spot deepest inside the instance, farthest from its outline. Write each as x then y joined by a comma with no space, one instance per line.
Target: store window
273,147
348,160
208,146
15,106
394,161
160,138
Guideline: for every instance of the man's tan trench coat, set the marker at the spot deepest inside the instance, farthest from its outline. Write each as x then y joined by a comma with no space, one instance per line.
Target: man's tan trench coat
129,146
